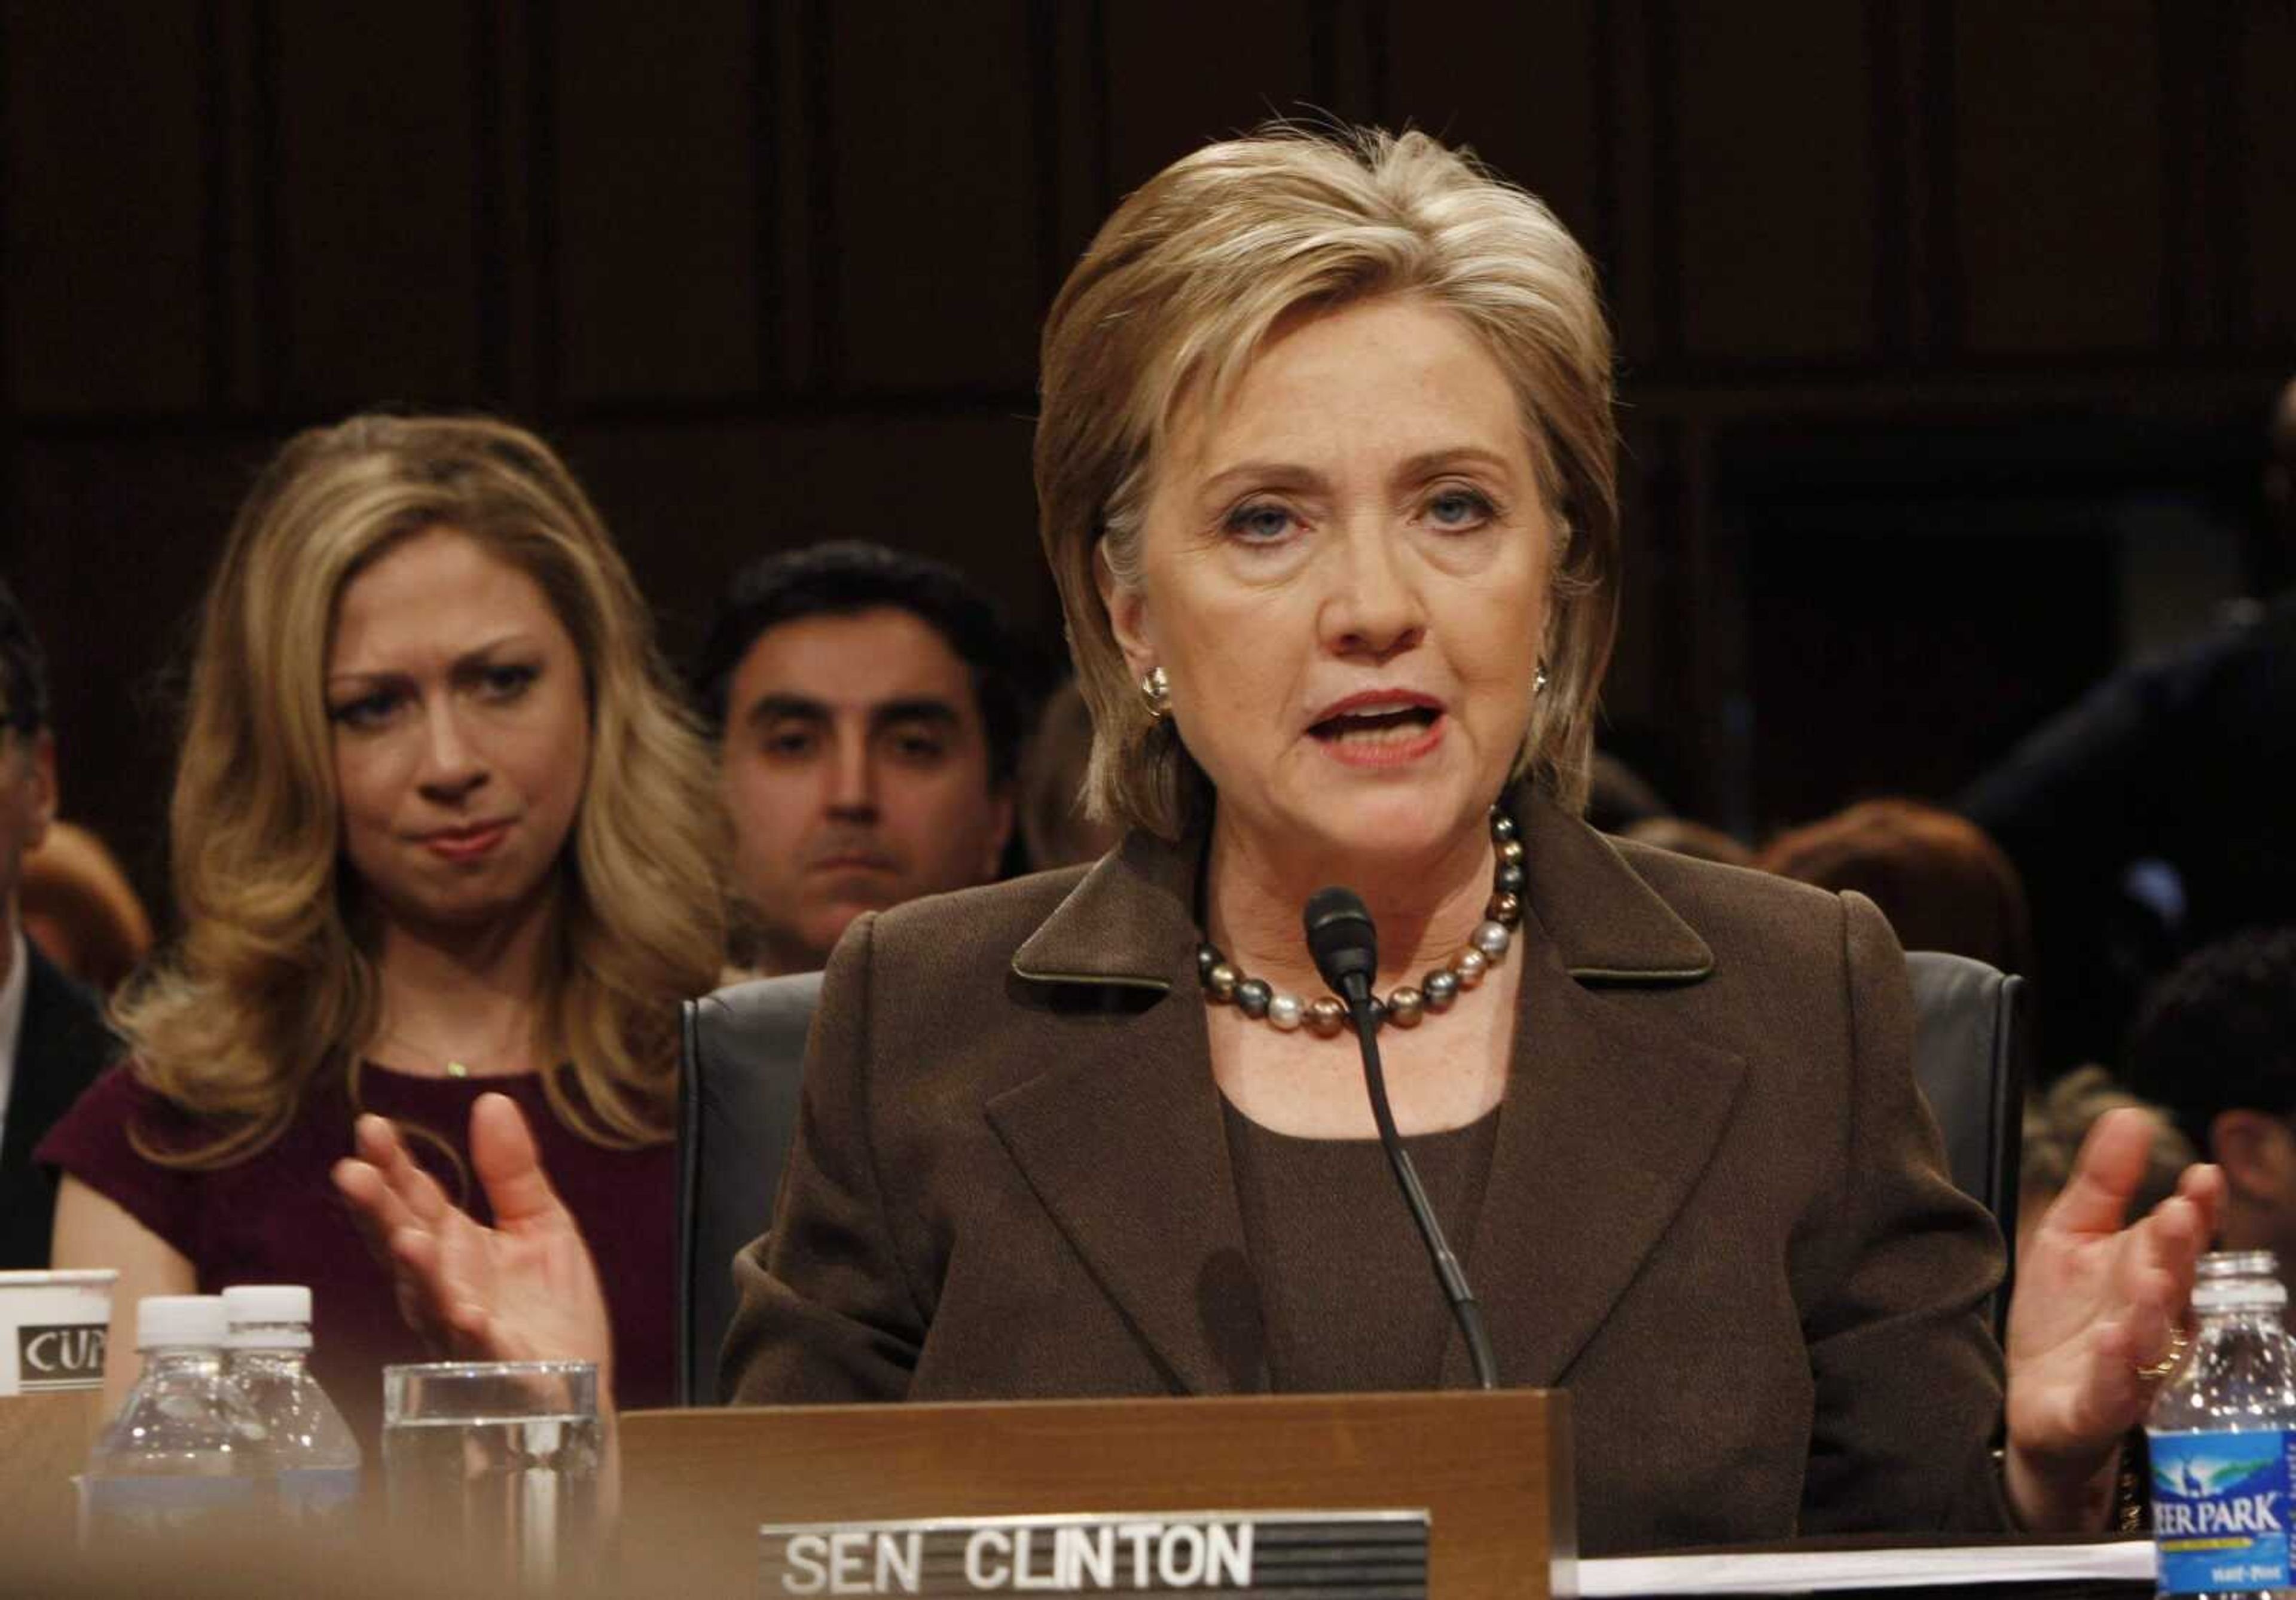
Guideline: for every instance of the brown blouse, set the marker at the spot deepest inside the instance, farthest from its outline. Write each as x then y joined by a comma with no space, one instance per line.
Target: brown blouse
1347,1297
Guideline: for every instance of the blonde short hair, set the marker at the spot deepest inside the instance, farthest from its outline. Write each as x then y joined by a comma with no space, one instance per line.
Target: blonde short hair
273,980
1179,293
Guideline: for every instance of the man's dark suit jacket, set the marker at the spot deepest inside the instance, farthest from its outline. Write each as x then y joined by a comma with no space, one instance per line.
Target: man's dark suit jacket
62,1046
2181,759
1716,1213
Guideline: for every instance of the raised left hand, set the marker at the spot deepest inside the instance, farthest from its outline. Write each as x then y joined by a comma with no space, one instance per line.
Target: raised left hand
525,1289
2094,1301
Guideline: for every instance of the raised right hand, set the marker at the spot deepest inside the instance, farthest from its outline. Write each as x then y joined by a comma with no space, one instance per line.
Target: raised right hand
2098,1297
523,1290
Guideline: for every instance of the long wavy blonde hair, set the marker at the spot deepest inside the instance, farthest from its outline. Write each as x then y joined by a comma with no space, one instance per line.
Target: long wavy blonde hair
272,982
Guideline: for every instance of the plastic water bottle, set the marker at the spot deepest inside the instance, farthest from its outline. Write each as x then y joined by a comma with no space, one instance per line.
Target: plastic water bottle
313,1451
186,1451
2220,1433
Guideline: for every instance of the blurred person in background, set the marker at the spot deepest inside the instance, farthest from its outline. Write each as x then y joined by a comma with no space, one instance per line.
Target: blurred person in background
2058,1119
2215,1042
2151,817
869,711
80,909
441,825
1684,837
1054,828
1618,797
2279,564
53,1041
1941,882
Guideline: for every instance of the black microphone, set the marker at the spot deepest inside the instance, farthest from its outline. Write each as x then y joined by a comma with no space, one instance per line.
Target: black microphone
1345,946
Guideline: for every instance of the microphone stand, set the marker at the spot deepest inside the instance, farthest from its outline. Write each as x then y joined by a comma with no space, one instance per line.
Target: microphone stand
1355,989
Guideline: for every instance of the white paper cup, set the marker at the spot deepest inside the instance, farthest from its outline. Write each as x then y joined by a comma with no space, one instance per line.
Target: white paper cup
52,1330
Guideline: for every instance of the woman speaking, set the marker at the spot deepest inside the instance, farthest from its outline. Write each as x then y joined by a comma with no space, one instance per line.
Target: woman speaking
1325,475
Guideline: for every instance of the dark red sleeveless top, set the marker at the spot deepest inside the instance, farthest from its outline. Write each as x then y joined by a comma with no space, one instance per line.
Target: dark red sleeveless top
275,1218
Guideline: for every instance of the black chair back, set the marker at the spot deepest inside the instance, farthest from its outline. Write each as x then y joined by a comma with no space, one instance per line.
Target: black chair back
1969,1044
744,1061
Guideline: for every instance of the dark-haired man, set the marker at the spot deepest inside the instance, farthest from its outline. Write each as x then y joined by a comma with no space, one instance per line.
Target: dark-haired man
53,1041
870,714
2216,1044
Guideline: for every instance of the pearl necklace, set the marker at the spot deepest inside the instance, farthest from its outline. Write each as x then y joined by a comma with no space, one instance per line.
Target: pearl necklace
1327,1018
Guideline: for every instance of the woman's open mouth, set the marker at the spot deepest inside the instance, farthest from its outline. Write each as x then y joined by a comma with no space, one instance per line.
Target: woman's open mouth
1381,734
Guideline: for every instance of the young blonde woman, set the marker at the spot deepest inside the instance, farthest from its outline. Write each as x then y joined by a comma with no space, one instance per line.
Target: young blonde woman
438,828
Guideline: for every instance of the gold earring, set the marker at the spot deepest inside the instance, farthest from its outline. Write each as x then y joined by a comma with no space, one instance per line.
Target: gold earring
1156,689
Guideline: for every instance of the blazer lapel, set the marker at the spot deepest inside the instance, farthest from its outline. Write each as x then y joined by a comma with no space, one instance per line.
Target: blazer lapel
1599,1102
1122,1140
1602,1100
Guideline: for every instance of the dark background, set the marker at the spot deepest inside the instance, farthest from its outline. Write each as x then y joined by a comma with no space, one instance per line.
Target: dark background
1948,327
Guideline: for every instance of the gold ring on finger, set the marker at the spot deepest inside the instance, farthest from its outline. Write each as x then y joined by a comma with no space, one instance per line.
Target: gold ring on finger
2178,1343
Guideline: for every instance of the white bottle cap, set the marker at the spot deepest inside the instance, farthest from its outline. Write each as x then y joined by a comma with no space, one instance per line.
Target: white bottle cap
257,1312
2239,1294
2238,1280
196,1321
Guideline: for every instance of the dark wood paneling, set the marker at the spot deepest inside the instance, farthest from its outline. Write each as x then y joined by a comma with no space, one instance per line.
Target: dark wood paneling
239,212
1638,693
940,273
379,175
2204,225
1519,85
119,532
1352,72
106,220
1634,110
654,190
691,502
2058,159
1187,71
1893,46
1916,691
772,269
1074,138
1777,180
512,292
794,340
2268,146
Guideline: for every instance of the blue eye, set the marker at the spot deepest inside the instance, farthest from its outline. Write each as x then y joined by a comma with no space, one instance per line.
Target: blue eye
1460,508
1259,522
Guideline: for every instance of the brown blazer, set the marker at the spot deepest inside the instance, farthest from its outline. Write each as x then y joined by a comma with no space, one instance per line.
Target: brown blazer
1716,1213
